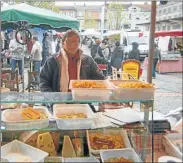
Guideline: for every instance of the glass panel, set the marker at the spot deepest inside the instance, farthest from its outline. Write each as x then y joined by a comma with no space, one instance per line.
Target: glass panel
52,97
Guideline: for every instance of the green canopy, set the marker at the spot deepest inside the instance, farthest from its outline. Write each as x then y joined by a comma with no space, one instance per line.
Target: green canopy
35,17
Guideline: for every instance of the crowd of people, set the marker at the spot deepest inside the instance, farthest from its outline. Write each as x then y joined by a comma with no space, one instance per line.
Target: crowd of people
102,52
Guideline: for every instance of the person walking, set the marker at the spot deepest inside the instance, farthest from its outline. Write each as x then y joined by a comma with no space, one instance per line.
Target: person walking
157,56
47,48
117,56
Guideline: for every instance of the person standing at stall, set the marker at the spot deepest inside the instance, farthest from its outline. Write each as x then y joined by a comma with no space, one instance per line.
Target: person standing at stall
36,54
157,56
47,48
16,50
70,64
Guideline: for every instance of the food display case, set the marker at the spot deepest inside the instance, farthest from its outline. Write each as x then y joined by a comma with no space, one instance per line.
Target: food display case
64,143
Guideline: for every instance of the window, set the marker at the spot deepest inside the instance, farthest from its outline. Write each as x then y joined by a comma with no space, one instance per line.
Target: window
159,12
164,28
169,10
164,11
168,28
159,28
180,8
176,26
174,8
80,13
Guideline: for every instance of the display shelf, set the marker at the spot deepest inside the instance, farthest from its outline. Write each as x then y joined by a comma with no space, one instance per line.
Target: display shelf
53,97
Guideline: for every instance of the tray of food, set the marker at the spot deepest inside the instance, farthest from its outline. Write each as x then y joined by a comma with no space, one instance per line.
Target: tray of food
122,155
173,144
26,118
132,90
82,159
17,151
73,116
90,89
107,139
53,159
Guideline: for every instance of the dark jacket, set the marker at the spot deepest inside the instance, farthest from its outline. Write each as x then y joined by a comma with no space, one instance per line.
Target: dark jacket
134,54
96,49
117,57
50,73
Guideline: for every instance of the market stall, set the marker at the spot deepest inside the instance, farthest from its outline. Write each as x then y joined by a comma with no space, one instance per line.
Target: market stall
171,53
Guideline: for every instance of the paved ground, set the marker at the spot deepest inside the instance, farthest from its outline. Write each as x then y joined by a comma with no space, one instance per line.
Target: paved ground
168,93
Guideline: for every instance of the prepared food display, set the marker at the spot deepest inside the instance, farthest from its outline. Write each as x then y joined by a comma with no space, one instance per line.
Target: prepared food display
118,160
132,90
71,115
134,84
33,114
88,84
100,141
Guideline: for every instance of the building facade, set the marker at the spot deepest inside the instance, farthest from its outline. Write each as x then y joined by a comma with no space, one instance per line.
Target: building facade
168,17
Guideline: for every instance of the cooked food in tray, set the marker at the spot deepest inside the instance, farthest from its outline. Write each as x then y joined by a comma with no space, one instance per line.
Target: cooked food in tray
118,160
33,114
88,84
100,141
134,85
71,116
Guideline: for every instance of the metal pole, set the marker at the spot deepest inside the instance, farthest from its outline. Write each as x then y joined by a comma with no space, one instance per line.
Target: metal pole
151,41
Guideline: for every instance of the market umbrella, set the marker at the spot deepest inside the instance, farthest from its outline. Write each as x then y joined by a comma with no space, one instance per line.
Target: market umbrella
91,32
36,17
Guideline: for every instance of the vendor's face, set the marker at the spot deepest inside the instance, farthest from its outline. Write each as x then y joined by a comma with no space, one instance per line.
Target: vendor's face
71,44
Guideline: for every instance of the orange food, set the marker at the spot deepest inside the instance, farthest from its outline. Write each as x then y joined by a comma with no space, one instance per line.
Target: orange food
88,84
32,114
100,141
135,85
118,160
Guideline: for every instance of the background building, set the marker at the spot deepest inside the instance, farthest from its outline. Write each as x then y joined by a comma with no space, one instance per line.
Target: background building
169,17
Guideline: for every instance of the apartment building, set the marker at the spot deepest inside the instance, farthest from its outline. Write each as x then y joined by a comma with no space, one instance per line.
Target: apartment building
168,17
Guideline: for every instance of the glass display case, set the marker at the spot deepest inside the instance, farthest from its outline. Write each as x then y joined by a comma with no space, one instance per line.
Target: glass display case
140,139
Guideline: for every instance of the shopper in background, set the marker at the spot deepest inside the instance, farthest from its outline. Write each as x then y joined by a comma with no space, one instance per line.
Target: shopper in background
36,54
47,48
17,51
157,56
117,56
70,64
135,52
58,45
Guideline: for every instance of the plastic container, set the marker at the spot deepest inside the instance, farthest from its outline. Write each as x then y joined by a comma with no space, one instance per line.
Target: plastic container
70,124
91,93
107,131
131,93
24,124
170,145
82,159
129,154
17,150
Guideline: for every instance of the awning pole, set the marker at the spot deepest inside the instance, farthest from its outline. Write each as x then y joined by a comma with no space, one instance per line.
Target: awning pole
151,41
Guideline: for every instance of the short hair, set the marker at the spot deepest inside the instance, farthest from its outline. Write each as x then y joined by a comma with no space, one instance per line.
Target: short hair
70,33
117,43
35,38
